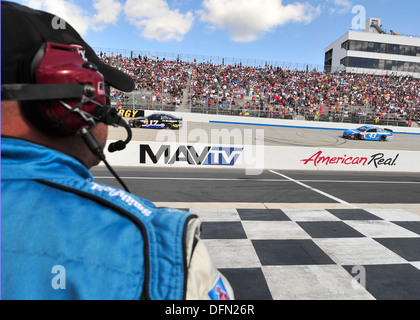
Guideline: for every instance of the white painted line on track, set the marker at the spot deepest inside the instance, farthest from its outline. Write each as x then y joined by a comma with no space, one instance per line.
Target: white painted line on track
259,180
316,190
366,182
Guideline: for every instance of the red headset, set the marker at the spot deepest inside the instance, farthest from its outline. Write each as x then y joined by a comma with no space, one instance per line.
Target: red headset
71,97
65,64
70,92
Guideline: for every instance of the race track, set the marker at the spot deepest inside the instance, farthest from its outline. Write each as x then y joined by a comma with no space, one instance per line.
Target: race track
290,234
269,136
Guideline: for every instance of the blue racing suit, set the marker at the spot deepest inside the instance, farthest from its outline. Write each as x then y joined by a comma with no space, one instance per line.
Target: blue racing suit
64,236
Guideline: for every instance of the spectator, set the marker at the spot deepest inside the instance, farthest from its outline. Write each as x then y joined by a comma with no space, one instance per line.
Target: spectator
103,242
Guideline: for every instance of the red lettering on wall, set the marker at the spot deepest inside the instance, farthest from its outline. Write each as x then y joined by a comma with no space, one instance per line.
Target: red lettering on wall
318,159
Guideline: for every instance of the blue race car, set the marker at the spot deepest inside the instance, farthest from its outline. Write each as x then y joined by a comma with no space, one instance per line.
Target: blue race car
156,121
369,133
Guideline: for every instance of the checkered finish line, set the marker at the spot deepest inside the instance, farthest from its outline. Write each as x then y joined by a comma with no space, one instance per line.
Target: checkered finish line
276,254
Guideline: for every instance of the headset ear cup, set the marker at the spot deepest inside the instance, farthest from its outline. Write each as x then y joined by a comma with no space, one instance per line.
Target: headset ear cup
56,63
31,110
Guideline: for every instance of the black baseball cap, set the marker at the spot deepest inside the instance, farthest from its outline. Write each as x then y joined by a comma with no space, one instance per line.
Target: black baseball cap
24,30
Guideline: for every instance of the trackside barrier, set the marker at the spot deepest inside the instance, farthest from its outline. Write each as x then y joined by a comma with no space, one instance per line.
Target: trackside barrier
254,159
264,122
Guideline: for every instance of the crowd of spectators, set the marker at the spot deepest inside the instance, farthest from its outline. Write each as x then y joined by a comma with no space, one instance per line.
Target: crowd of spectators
313,94
156,80
274,92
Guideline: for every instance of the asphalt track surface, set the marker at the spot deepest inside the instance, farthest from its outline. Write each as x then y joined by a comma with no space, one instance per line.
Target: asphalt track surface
293,187
267,135
295,234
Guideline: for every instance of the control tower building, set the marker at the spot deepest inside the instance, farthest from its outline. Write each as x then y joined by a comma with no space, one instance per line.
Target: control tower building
375,51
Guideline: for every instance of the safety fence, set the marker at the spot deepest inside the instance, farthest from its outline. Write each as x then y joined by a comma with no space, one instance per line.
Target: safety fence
197,58
353,114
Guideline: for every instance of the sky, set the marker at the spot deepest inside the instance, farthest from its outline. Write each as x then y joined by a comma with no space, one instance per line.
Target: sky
287,32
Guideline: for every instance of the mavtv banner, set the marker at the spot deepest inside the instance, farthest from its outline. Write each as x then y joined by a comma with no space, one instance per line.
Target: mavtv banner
258,158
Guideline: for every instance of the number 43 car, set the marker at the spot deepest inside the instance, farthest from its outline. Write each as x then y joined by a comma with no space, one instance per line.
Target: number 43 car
156,121
369,133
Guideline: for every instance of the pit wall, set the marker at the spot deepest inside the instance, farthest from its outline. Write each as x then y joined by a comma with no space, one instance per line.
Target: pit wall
256,158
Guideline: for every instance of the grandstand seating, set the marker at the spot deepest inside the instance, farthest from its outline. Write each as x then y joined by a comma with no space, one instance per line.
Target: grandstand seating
270,92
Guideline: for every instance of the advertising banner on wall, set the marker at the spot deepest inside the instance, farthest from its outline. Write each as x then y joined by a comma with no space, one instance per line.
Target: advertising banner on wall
337,159
130,113
256,158
181,155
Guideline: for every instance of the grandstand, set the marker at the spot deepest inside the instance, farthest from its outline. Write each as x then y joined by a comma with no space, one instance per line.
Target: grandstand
267,91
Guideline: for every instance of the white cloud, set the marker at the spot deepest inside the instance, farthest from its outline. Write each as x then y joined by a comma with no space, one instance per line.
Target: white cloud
249,20
67,10
107,13
341,6
245,20
157,21
80,19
